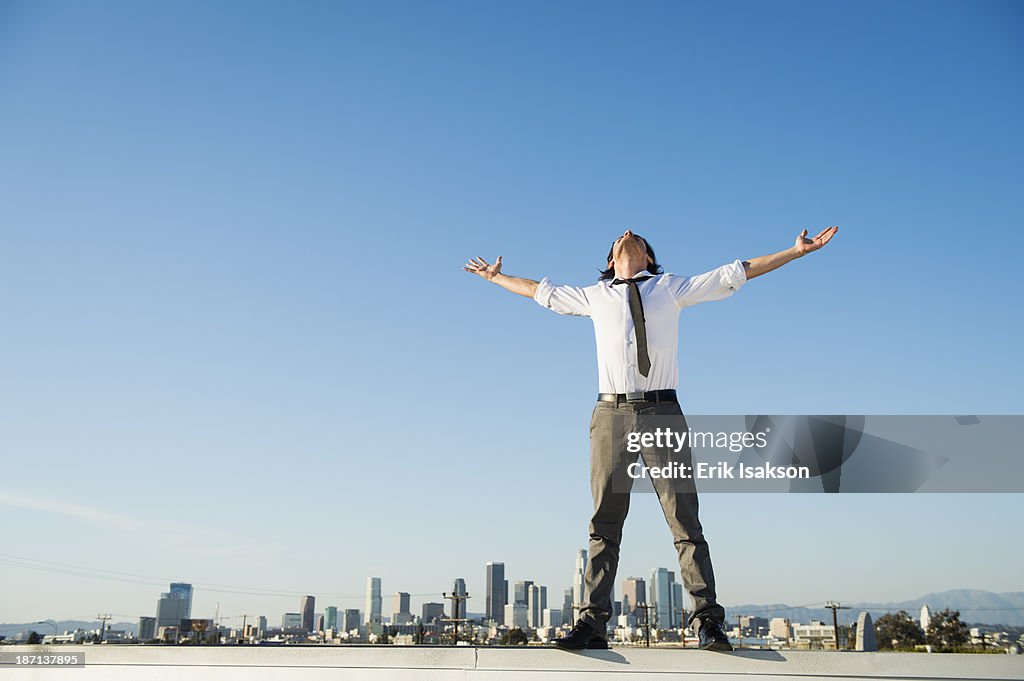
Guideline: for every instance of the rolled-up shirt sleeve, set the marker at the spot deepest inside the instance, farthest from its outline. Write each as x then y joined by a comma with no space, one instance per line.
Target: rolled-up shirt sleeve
569,300
719,283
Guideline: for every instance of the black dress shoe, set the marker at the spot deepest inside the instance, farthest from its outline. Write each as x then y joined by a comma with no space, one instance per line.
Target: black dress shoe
582,637
712,637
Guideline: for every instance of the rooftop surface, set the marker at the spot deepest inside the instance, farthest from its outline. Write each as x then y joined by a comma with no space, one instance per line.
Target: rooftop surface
408,663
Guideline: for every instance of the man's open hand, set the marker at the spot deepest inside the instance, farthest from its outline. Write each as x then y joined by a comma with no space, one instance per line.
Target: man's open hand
479,266
804,245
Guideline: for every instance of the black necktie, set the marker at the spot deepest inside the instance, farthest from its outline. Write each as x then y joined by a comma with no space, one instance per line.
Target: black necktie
636,310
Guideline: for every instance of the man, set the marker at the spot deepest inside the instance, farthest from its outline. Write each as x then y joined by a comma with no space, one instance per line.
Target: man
635,310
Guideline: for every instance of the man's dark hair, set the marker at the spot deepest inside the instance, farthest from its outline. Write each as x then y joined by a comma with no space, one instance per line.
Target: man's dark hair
653,268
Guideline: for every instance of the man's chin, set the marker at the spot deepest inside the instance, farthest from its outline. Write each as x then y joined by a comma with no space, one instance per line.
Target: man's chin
633,253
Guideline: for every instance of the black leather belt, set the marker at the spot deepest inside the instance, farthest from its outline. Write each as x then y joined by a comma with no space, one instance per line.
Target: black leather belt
650,396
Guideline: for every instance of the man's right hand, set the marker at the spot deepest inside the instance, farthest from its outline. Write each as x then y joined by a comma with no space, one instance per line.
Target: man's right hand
519,285
479,266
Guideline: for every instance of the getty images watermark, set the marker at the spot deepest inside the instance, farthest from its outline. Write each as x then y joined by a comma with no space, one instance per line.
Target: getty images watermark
817,453
677,442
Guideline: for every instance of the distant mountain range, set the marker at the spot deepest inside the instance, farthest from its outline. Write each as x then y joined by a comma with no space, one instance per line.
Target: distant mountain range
976,608
46,629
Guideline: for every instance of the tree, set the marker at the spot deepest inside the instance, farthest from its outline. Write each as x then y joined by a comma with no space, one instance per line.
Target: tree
946,631
898,631
514,637
34,637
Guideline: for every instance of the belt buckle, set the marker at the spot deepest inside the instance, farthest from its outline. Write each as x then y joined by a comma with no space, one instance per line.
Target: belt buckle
636,397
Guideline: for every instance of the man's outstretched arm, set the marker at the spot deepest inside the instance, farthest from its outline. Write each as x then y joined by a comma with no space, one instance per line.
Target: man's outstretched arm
492,273
568,300
755,267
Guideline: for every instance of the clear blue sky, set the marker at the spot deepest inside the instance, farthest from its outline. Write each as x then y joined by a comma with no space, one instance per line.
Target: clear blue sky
238,346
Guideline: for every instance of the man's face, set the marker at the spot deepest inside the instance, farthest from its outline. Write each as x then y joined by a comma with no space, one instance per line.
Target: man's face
631,246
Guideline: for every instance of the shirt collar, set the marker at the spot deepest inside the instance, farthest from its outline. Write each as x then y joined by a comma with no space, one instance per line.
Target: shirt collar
644,273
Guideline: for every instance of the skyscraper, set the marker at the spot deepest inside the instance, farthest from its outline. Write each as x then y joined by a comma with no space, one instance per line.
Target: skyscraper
552,617
578,584
634,591
677,606
183,591
433,613
331,617
306,608
373,600
496,587
147,628
291,622
521,593
459,589
174,605
401,613
352,619
567,608
662,580
515,615
534,611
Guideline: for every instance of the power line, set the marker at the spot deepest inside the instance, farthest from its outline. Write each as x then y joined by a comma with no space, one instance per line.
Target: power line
149,580
780,607
133,578
83,571
821,606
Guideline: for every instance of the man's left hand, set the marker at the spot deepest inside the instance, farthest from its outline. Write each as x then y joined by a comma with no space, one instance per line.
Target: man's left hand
804,245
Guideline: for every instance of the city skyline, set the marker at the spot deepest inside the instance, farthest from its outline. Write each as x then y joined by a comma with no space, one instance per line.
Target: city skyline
191,362
752,618
661,580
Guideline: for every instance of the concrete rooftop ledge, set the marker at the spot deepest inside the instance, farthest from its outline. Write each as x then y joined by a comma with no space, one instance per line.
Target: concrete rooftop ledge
408,663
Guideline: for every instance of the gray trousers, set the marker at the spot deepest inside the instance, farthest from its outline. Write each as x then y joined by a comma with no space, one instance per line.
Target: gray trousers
611,485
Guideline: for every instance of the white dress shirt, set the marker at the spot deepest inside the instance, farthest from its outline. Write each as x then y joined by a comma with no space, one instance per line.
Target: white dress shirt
663,297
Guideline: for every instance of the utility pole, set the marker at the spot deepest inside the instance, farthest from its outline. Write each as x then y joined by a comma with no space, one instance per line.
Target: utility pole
103,625
833,606
458,607
646,626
